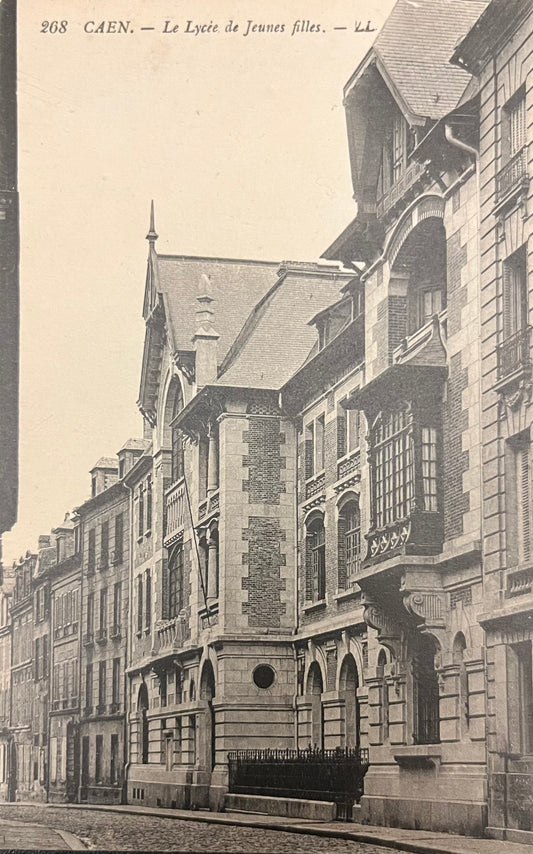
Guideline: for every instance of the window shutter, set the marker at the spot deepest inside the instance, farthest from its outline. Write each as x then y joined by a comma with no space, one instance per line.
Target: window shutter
525,503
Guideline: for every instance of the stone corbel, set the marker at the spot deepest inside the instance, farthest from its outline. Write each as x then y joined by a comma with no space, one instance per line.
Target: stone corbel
514,403
426,606
388,628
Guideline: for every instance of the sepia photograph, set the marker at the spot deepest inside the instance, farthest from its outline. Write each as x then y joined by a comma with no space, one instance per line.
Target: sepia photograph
266,426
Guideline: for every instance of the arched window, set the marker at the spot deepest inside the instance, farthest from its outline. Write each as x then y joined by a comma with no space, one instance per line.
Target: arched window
316,558
349,543
425,692
348,685
315,687
142,708
177,438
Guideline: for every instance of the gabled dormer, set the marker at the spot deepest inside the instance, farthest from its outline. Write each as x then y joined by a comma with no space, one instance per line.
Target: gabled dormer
404,87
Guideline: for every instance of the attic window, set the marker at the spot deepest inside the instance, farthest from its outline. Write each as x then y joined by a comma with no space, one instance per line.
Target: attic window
398,143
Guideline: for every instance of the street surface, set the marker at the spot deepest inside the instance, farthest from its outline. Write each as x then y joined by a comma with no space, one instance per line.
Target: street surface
116,832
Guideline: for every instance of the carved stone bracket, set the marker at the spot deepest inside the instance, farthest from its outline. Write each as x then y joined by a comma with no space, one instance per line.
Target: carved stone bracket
514,403
426,606
389,629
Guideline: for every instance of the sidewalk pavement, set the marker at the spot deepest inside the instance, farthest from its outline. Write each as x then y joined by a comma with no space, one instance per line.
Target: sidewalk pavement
18,834
416,841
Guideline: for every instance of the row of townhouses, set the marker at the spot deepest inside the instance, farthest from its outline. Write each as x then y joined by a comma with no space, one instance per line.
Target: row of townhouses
324,541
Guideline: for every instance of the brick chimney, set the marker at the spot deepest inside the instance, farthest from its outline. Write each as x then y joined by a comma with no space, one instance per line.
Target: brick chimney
206,337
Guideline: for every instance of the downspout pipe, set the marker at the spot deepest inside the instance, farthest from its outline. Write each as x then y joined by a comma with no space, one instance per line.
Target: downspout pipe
463,146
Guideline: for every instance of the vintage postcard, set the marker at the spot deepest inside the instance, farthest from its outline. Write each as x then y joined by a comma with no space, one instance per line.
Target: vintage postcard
266,457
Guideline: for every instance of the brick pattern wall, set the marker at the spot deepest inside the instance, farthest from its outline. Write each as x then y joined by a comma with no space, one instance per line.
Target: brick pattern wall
456,461
397,321
263,582
264,460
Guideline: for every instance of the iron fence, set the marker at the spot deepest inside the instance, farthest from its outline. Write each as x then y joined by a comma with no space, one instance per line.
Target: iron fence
312,774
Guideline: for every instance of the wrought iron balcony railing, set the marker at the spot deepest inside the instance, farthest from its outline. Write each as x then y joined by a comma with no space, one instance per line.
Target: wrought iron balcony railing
514,353
323,775
511,175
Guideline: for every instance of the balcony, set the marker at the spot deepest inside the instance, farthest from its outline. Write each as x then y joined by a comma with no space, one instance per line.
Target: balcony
175,507
315,486
170,635
348,471
101,709
513,177
101,635
392,197
514,353
88,639
116,631
519,583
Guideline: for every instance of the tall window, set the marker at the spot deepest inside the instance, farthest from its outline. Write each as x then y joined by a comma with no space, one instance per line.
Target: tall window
393,468
314,446
140,597
149,504
348,425
140,510
103,608
175,593
177,440
104,544
90,614
429,468
514,125
316,558
115,760
102,685
119,538
515,292
398,143
425,693
349,543
89,686
91,550
117,605
98,759
115,696
148,600
519,499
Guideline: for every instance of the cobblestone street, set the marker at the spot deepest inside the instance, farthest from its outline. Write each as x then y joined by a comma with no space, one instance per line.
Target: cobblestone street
111,831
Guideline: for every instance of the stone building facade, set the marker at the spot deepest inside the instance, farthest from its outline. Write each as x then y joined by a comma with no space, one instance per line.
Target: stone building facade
324,539
6,592
104,534
23,771
65,605
498,52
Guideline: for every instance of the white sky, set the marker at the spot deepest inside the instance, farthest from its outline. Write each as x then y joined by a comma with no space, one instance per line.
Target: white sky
241,142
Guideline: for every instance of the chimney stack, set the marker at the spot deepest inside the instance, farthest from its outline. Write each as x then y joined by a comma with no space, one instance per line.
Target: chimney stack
206,337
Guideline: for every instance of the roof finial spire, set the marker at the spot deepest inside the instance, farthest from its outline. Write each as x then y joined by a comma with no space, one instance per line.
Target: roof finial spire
152,234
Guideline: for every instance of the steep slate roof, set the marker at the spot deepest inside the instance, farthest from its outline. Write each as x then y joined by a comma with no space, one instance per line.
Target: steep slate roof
237,286
277,338
135,445
106,463
415,46
47,558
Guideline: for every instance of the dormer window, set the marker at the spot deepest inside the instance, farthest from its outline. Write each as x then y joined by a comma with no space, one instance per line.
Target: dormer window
398,142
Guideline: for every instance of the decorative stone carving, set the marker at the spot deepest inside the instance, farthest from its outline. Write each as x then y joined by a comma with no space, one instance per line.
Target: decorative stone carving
427,606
